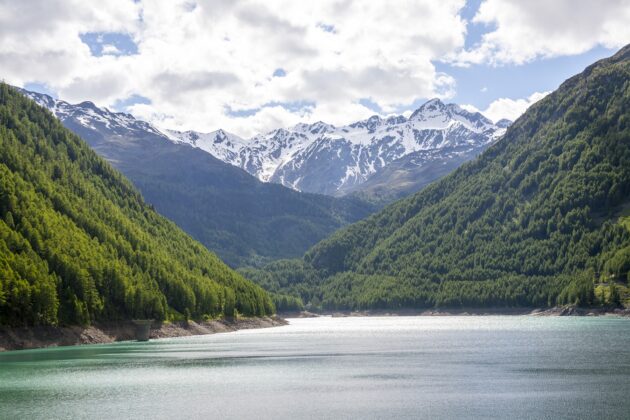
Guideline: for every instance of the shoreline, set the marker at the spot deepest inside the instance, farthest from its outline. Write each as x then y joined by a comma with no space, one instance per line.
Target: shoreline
554,311
23,338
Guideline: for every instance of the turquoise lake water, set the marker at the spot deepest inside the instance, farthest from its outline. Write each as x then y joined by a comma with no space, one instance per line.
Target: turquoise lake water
514,367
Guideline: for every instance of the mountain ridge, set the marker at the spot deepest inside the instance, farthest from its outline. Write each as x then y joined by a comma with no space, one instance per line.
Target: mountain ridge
352,159
326,159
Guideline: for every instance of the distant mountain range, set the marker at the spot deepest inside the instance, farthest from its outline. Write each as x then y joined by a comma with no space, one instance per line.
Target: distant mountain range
245,221
383,158
399,154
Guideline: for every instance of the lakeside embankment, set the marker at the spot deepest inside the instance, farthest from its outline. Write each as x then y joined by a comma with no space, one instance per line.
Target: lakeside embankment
46,336
38,337
555,311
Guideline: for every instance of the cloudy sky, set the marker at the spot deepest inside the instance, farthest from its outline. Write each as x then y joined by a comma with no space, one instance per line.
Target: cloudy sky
250,66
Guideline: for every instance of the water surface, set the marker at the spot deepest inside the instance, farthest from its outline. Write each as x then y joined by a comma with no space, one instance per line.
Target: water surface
390,367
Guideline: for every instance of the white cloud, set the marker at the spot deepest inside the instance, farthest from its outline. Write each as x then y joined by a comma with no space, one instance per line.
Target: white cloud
507,108
197,60
110,49
39,42
521,31
200,62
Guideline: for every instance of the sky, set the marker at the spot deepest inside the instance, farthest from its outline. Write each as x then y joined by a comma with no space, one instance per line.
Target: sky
250,66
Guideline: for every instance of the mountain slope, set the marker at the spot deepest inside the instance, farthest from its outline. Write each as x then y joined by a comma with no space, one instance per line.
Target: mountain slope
412,172
534,221
322,158
243,220
78,244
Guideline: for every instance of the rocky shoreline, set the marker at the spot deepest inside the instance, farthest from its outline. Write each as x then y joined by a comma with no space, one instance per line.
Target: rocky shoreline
37,337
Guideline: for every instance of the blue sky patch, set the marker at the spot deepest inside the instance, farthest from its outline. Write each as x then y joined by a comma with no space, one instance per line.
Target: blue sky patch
326,28
241,113
291,106
480,84
370,104
109,43
41,88
474,31
122,105
279,72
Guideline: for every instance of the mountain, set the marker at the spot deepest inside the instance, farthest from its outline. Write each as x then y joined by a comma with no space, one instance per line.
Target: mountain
414,171
242,219
539,219
321,158
78,244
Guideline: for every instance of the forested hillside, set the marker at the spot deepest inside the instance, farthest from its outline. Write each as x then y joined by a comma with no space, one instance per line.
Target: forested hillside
79,245
245,221
536,220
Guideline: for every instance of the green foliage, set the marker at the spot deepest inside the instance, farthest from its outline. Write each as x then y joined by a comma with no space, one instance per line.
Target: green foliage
614,298
287,303
578,292
78,244
612,294
286,278
531,222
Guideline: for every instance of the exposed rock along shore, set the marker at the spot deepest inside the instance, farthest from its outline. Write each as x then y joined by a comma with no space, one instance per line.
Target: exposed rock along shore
37,337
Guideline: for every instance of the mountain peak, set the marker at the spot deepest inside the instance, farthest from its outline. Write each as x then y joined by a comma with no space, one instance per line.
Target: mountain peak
431,107
433,102
89,105
318,127
370,124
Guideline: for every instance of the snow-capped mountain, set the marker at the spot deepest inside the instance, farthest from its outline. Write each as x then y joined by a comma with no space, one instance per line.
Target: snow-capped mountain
90,116
220,144
322,158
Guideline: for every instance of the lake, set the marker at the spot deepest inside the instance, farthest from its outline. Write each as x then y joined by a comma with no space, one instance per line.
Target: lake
376,367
